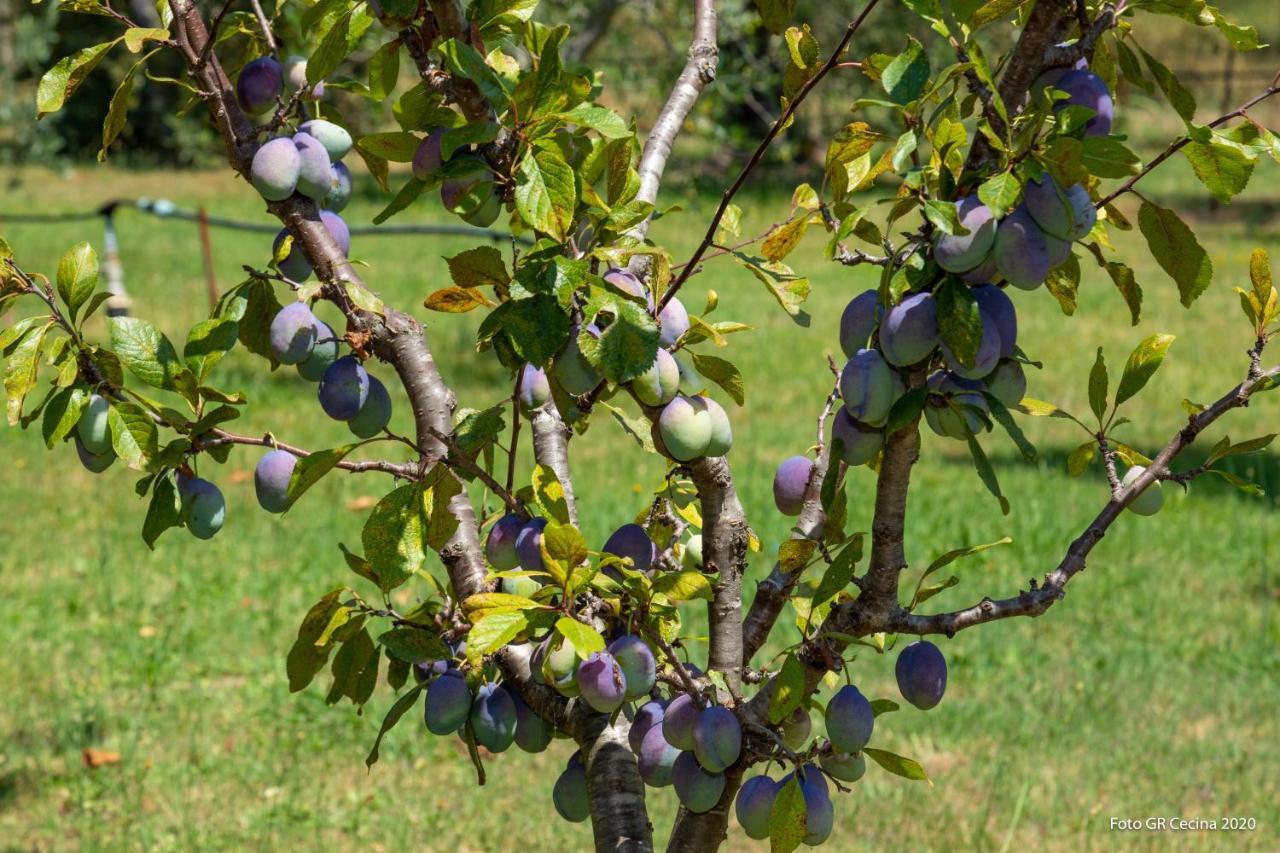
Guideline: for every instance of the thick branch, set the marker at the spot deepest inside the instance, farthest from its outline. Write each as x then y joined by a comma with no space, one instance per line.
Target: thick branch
699,71
724,550
551,448
1040,598
888,556
696,833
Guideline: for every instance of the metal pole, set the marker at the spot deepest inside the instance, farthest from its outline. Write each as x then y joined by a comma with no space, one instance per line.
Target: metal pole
118,304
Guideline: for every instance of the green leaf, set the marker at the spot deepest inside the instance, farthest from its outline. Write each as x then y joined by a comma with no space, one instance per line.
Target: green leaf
564,544
1143,362
897,765
549,494
546,190
61,414
905,77
1223,169
987,474
840,573
535,327
1175,248
602,120
394,536
584,639
1182,101
463,59
786,691
880,707
342,38
396,146
384,70
413,645
309,469
788,818
77,277
959,320
628,346
723,373
207,343
1108,158
683,585
906,409
163,512
118,109
1240,483
147,353
61,81
407,195
959,553
1000,193
1253,445
1122,277
1064,282
398,710
134,436
478,267
789,289
1098,382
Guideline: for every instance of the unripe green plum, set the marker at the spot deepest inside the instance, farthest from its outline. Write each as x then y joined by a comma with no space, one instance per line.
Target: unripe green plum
570,795
95,462
315,173
859,320
1067,214
500,546
658,385
571,368
323,354
259,85
601,682
922,674
796,728
988,354
427,160
1022,251
203,508
960,252
677,723
909,330
271,480
717,738
721,430
691,556
845,766
275,169
295,74
648,717
448,703
339,188
754,805
1150,500
859,443
698,789
1007,383
559,667
953,410
638,664
867,387
685,427
344,388
789,484
533,734
334,137
486,214
535,390
92,428
656,758
493,717
673,321
850,719
375,414
996,303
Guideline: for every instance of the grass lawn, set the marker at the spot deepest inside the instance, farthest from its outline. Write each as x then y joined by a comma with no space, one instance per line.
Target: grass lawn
1151,691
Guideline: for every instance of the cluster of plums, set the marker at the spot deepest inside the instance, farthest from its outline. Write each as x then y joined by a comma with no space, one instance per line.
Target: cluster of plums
469,190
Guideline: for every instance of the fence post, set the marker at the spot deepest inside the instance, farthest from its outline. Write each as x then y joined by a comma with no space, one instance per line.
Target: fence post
206,251
118,303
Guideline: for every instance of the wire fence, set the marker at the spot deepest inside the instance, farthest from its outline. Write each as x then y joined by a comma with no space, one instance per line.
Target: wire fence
113,269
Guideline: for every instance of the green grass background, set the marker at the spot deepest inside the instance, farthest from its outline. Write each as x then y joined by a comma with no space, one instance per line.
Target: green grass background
1150,691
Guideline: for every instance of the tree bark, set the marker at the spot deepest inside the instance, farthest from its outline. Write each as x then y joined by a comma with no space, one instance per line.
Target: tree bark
551,448
724,550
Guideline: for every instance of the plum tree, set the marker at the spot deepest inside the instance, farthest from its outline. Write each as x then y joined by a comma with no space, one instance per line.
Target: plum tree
850,720
922,674
472,571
